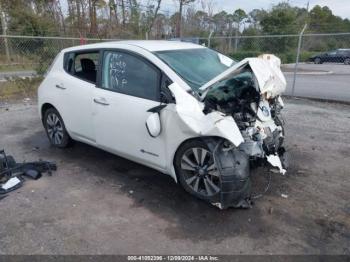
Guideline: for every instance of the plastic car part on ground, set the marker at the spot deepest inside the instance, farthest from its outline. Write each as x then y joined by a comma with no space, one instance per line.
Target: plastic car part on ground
12,173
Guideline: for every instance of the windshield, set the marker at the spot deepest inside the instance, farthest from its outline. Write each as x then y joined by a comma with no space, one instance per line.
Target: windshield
196,66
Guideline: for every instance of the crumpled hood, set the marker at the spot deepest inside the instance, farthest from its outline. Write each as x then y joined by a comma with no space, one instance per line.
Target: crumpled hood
190,111
267,70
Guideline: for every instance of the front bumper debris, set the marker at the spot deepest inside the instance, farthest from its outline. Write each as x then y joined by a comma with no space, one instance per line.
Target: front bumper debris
12,173
234,169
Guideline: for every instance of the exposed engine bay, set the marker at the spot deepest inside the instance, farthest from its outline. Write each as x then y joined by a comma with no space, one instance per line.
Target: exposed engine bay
237,97
259,119
242,106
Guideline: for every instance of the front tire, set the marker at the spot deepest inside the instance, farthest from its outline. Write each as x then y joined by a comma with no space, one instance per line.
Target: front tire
318,61
196,170
55,129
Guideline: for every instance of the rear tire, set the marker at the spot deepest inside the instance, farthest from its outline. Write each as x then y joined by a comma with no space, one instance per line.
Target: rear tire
318,61
347,61
55,129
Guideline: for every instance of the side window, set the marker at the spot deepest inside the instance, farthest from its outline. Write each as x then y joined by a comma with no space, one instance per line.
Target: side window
69,62
82,65
343,52
128,74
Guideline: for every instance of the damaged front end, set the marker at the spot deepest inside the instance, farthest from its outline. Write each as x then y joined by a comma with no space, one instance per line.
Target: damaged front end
261,127
255,105
243,106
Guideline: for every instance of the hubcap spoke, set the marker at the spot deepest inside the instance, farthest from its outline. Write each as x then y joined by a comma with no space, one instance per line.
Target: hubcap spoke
188,161
211,167
186,166
49,121
196,184
190,180
207,187
213,186
203,156
196,155
55,119
201,173
56,139
59,137
50,132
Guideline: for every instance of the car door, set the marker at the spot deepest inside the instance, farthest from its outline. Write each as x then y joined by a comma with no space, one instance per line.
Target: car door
129,87
341,54
77,87
332,56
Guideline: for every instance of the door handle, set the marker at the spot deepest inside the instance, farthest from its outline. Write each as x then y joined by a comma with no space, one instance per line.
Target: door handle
60,87
101,101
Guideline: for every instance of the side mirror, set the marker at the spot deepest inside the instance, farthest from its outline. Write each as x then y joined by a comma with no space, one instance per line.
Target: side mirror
153,125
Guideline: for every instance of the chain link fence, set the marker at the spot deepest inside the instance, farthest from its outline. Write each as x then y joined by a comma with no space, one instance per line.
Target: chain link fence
284,46
19,54
26,53
315,65
327,48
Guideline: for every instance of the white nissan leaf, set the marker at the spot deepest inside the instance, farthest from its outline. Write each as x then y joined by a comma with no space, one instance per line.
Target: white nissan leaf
180,108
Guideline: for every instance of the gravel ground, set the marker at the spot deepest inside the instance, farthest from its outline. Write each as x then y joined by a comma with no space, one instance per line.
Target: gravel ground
98,203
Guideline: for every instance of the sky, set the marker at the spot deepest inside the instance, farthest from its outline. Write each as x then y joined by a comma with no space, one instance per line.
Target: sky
339,7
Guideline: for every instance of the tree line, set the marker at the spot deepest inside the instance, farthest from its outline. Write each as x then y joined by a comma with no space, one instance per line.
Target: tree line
132,19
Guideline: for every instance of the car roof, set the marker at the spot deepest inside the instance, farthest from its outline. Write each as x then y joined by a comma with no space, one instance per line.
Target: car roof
150,45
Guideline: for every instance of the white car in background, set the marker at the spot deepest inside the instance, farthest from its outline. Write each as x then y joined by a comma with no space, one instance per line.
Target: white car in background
180,108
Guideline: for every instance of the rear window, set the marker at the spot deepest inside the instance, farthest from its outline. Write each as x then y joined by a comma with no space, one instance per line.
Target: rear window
91,56
82,65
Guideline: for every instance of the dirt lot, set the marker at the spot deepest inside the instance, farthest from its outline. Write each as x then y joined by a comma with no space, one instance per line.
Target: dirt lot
98,203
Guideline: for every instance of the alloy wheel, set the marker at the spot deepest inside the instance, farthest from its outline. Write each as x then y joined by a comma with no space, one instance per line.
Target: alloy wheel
201,173
54,128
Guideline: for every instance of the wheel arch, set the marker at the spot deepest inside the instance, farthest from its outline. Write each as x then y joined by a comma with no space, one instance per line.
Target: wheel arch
44,108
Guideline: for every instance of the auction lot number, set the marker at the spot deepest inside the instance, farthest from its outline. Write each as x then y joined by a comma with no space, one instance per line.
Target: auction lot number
173,258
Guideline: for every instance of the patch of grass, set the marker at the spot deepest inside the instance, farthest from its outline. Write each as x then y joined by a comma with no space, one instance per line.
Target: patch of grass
16,67
19,88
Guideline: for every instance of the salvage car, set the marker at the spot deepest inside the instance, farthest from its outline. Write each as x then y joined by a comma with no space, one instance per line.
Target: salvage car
180,108
335,56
